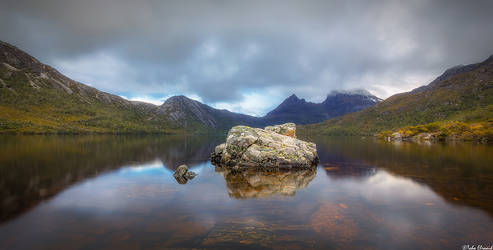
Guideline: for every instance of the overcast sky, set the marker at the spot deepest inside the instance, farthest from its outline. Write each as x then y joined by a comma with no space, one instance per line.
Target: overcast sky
247,56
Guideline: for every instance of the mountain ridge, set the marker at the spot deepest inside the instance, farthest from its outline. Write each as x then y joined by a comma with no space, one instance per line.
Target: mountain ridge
461,93
36,98
337,103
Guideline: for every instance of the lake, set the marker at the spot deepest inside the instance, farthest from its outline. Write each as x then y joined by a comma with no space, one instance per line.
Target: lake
103,192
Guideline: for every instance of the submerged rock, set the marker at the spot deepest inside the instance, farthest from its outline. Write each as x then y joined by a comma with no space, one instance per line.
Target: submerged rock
182,175
271,148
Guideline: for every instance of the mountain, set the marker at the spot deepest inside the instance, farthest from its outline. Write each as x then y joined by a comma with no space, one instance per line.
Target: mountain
185,111
36,98
461,93
336,104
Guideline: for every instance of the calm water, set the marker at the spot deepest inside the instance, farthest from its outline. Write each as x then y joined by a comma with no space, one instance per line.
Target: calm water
100,192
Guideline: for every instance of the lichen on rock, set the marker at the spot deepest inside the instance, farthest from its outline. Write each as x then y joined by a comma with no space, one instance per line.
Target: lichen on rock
274,147
288,129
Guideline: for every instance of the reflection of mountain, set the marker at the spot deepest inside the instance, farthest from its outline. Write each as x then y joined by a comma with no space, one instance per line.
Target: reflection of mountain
257,184
34,168
461,174
338,165
345,170
188,150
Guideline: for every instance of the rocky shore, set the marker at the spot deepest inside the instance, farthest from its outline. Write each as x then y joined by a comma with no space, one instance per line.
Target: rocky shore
442,131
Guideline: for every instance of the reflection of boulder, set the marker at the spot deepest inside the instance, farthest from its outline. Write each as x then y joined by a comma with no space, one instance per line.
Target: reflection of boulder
257,184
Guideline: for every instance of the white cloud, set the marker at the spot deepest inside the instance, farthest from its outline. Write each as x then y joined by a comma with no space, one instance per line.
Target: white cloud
148,99
225,52
255,103
195,97
99,69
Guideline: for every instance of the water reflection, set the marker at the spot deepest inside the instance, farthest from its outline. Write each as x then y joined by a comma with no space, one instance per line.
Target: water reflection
260,184
460,173
35,168
348,170
119,192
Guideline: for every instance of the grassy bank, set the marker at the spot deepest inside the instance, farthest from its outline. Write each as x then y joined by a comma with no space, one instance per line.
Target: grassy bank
443,131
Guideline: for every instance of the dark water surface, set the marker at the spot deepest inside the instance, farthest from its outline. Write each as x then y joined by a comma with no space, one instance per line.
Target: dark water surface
103,192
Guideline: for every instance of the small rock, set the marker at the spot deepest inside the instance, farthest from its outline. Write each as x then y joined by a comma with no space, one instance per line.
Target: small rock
180,171
181,180
190,175
182,175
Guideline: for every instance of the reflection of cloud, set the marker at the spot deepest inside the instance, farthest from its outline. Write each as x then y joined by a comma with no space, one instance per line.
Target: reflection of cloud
157,164
337,209
384,187
253,103
146,98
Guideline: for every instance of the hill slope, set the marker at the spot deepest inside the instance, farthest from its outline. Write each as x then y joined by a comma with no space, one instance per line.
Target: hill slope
462,93
187,112
36,98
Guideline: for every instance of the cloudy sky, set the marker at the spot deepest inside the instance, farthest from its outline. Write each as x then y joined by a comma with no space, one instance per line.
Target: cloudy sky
247,56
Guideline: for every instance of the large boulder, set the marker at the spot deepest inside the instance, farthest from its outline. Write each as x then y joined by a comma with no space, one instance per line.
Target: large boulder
272,148
288,129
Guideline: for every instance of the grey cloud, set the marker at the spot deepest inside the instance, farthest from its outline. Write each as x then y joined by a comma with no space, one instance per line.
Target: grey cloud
220,50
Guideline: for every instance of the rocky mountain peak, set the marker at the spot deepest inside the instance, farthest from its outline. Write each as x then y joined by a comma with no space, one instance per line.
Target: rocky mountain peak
453,71
292,99
489,60
337,103
356,94
18,59
42,76
178,99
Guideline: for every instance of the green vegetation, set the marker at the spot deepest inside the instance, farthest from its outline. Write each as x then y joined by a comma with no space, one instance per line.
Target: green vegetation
442,131
32,114
36,99
44,109
466,97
